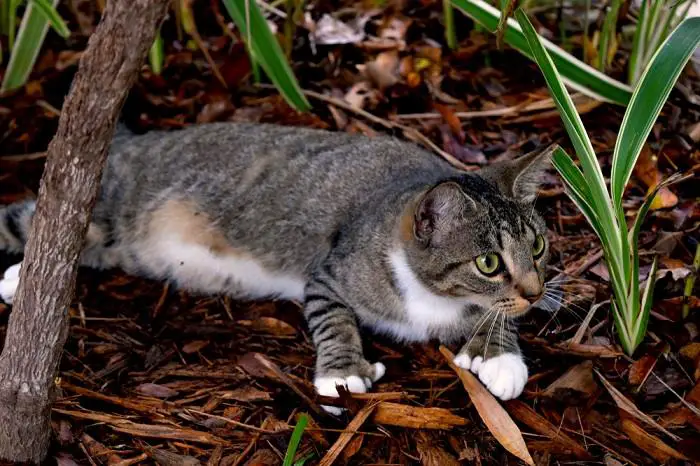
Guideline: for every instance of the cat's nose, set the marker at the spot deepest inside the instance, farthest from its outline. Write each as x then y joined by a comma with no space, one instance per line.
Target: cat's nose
530,287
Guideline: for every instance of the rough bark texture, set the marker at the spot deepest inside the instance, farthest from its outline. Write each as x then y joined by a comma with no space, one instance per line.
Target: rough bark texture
38,324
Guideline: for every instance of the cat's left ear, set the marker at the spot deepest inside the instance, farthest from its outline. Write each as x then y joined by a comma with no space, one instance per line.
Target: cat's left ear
520,178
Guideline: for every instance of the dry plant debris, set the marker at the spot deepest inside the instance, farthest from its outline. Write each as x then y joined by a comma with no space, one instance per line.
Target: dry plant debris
152,375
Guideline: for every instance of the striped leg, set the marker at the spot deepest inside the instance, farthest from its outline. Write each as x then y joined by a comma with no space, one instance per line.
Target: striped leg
339,357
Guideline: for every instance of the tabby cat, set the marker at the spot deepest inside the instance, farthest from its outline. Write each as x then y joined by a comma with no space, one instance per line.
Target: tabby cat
370,232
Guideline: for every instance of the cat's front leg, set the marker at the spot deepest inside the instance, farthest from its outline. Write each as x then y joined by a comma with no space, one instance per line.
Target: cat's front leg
339,357
494,355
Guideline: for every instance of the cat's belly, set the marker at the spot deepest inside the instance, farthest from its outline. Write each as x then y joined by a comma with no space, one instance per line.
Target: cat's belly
197,268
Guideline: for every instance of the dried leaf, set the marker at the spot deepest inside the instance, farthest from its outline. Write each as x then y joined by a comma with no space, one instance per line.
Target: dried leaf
414,417
431,453
640,369
245,394
575,386
344,438
649,443
626,405
194,346
273,326
383,71
156,391
527,416
647,171
330,31
167,458
263,457
495,417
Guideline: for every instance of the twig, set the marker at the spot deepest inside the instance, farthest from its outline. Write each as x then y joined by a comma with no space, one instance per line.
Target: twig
408,131
235,423
345,437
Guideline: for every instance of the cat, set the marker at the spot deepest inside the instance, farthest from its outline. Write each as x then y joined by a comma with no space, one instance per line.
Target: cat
366,232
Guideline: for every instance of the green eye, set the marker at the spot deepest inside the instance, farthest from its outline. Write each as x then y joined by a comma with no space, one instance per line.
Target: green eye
538,247
489,264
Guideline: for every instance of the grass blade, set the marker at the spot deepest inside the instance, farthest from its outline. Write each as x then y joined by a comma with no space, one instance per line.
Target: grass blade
639,328
156,56
648,98
607,32
52,16
30,37
295,439
266,50
576,73
450,33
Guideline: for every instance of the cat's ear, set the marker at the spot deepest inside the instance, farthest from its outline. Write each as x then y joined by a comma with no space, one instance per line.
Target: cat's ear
438,210
520,178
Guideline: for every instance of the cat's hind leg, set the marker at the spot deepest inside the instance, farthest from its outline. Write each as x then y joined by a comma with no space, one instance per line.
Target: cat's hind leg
180,243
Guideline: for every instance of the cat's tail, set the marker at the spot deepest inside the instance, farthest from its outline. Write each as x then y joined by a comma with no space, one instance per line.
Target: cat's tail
15,220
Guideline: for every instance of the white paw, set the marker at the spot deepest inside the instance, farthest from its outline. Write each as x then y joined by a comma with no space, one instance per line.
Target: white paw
505,376
328,386
9,283
463,360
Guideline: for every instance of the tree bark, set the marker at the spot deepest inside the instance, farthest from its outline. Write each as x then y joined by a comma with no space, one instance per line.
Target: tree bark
38,325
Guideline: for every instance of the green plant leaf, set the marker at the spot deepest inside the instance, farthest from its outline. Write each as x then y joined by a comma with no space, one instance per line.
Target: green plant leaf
607,33
577,74
640,324
599,199
295,439
156,56
648,98
266,50
52,15
32,31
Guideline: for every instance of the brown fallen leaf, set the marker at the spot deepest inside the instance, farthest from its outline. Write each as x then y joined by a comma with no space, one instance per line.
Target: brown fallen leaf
626,405
647,171
245,394
146,430
155,390
575,386
98,450
649,443
168,458
194,346
494,416
431,453
263,457
414,417
270,325
640,369
539,424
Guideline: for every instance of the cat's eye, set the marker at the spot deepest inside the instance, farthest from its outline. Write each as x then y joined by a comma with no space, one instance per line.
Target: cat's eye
538,247
489,264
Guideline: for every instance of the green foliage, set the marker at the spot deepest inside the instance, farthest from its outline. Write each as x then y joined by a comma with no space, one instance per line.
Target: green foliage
24,50
294,441
586,186
156,56
577,74
450,33
265,50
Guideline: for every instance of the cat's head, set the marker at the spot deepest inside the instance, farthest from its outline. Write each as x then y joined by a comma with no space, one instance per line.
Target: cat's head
477,237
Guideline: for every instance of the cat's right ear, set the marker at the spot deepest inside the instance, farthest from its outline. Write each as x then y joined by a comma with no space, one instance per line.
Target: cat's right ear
438,210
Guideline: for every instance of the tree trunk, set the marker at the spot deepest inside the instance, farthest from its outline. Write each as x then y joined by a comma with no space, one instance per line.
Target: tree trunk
38,325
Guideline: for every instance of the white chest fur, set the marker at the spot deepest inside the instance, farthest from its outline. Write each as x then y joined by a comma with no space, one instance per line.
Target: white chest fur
424,309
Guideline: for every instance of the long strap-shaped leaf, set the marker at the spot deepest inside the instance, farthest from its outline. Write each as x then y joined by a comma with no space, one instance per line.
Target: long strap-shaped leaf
599,197
577,74
266,50
32,30
648,98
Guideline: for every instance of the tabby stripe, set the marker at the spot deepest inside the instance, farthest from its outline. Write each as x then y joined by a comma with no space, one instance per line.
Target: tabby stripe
309,298
12,221
321,313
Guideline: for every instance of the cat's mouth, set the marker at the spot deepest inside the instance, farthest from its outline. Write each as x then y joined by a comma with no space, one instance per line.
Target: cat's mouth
518,306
